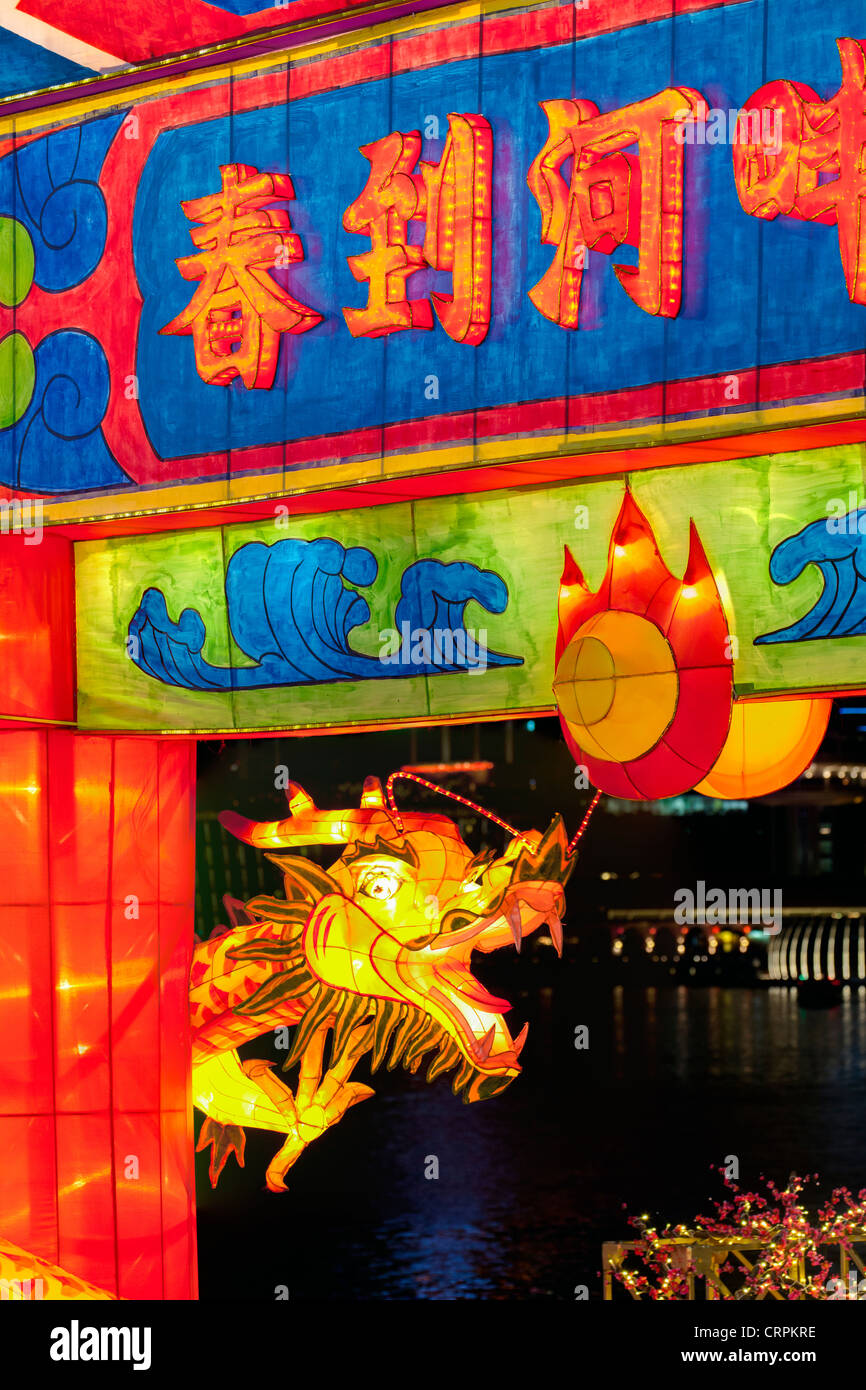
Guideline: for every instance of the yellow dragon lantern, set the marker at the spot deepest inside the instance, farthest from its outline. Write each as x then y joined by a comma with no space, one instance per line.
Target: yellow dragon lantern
375,951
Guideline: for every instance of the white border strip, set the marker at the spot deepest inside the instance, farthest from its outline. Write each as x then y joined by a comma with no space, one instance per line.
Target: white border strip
55,40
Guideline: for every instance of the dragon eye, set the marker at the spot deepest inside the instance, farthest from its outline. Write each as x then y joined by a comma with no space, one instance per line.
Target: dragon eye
379,884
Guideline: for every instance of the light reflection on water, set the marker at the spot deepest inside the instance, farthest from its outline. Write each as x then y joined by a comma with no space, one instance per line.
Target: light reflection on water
745,1035
530,1184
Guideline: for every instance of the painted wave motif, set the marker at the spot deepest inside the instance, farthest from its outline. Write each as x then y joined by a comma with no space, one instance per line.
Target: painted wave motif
837,546
293,606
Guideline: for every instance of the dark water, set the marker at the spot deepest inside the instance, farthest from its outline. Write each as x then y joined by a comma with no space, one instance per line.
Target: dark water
530,1184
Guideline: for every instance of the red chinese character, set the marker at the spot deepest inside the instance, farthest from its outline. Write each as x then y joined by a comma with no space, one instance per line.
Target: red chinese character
815,139
614,197
454,199
238,312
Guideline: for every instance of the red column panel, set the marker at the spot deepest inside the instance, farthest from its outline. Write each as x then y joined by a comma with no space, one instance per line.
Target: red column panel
178,1201
26,1023
135,1006
28,1184
80,795
85,1198
142,1248
138,809
23,813
81,1001
154,1188
177,896
37,623
96,935
177,822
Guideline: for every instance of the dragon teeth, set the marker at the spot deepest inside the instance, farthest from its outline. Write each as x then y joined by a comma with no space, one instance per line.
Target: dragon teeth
515,925
484,1048
520,1040
554,926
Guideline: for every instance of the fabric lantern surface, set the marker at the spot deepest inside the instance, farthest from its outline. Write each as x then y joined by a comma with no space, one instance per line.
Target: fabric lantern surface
376,952
770,743
643,676
95,945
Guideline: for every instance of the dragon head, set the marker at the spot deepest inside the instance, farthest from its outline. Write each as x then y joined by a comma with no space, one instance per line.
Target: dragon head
387,933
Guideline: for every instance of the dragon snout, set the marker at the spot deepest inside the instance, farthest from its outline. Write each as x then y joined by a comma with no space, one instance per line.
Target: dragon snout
523,908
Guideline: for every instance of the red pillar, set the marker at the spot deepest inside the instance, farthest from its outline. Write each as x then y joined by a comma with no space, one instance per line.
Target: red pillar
37,628
96,935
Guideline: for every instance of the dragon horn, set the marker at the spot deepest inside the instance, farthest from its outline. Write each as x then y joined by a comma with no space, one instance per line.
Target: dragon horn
299,800
307,824
373,796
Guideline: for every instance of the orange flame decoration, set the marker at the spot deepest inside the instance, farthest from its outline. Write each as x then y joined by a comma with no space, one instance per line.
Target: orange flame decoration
644,679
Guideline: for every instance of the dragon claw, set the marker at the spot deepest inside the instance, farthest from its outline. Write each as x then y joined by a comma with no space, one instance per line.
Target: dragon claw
281,1162
274,1183
225,1139
324,1109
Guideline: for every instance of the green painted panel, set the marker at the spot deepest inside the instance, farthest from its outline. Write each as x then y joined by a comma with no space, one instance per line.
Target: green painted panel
17,378
17,261
110,577
742,510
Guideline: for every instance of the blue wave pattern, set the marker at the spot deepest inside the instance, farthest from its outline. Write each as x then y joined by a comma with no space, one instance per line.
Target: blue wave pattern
51,187
838,547
292,608
57,445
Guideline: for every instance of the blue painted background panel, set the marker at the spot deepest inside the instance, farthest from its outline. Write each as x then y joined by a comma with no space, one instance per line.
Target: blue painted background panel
329,382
